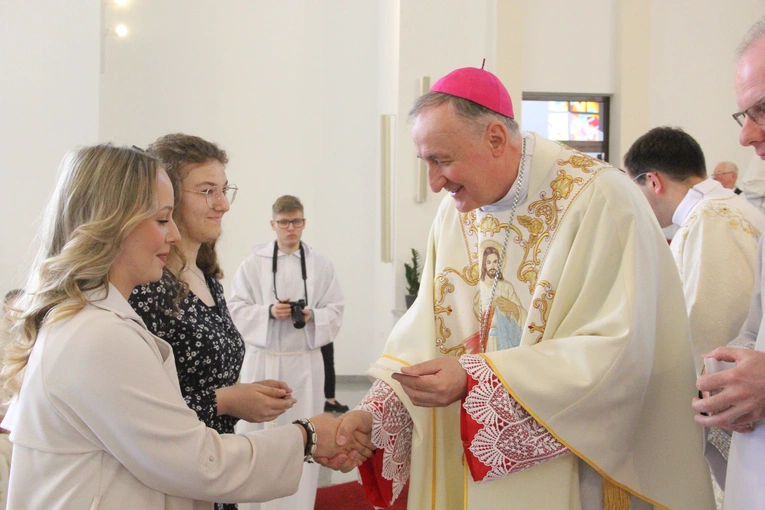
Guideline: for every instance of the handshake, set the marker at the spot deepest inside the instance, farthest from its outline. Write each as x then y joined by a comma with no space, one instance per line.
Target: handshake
343,443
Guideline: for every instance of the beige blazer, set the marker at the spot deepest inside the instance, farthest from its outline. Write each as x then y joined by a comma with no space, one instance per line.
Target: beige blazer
100,422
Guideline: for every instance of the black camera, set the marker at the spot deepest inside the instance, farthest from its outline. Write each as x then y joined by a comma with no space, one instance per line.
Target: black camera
296,311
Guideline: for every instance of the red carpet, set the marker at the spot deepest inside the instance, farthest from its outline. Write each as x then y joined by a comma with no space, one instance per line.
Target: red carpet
350,496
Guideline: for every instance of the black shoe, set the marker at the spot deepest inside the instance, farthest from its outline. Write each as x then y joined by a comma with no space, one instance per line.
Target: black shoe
337,407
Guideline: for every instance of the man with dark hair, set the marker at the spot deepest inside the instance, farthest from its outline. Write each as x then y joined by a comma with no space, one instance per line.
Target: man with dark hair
669,150
287,303
585,410
715,246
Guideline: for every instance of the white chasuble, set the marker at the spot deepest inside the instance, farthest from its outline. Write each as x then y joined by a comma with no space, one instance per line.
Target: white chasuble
715,253
588,353
715,250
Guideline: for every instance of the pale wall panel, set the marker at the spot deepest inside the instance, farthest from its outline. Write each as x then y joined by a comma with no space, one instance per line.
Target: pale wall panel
49,67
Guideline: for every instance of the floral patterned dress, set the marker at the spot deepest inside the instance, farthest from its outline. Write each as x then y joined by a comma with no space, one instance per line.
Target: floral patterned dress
207,346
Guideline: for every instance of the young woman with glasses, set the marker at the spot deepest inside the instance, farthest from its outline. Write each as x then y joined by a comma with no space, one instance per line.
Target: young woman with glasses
187,306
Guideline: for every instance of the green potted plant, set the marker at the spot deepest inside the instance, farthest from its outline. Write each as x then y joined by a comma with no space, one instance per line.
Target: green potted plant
413,271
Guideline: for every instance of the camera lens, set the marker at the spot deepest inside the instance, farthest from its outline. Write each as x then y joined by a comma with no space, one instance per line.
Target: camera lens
296,310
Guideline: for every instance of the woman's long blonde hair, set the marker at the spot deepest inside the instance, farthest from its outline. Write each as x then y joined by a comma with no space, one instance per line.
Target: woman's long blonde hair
102,193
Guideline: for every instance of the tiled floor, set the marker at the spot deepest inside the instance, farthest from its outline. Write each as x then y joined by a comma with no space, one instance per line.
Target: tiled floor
349,391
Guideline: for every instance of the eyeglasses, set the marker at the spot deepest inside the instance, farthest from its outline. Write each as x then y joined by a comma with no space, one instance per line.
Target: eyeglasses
756,113
297,223
634,179
715,176
212,195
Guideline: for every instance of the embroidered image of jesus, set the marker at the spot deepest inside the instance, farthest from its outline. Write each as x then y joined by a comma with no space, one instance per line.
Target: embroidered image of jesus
507,315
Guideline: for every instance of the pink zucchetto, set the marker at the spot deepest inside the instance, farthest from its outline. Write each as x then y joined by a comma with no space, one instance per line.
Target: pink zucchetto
479,86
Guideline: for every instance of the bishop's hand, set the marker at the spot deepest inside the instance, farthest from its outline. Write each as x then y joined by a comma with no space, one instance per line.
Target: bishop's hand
434,383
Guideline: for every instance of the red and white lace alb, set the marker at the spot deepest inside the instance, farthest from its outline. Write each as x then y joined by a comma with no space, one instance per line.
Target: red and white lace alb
391,432
500,437
503,437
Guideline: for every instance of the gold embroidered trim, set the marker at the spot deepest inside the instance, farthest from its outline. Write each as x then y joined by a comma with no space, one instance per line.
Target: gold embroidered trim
543,304
469,275
442,287
734,217
579,161
467,222
546,218
490,224
540,224
442,333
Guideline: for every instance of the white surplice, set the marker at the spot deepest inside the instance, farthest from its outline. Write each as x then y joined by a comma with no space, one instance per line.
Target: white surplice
275,349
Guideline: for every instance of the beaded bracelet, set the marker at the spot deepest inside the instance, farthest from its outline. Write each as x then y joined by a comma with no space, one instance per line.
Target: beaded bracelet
311,438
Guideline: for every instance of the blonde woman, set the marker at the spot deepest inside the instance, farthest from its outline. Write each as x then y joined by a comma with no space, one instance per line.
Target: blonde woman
99,420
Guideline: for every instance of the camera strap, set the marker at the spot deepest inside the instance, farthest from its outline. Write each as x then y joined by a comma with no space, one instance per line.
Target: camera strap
302,267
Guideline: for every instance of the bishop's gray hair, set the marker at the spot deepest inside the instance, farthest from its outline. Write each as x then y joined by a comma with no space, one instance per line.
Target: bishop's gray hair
464,108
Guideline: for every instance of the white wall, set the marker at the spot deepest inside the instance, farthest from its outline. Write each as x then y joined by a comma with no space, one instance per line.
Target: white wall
434,41
692,67
568,44
290,90
383,291
49,56
667,62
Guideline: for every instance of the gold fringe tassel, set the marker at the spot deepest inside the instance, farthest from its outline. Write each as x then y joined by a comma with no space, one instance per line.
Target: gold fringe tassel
614,498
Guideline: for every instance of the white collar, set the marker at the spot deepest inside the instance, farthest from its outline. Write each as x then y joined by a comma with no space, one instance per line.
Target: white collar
506,203
703,190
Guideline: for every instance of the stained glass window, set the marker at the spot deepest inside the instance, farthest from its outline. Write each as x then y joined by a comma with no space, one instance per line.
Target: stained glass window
558,106
580,122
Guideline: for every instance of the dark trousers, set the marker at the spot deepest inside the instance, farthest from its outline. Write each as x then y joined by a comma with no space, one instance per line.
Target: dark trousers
328,354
